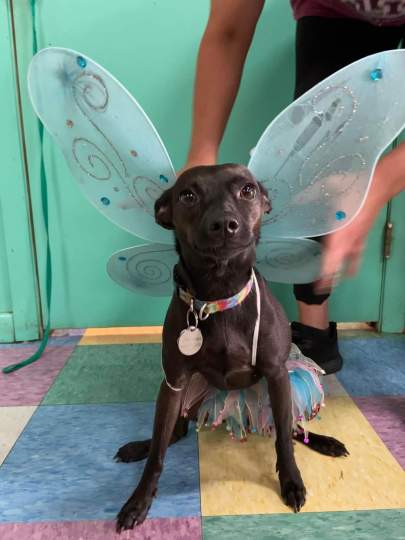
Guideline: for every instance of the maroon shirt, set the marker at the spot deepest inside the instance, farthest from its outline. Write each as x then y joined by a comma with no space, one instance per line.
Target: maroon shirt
377,12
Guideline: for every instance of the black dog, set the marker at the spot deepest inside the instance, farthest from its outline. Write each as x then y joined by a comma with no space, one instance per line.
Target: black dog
216,213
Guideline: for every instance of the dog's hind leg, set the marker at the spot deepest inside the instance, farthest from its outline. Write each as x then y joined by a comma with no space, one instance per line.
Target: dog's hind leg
323,444
139,450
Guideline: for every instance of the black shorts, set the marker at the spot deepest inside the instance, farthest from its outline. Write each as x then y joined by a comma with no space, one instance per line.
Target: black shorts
323,46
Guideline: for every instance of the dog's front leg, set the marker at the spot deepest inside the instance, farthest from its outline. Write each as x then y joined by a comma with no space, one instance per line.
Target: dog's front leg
167,412
292,487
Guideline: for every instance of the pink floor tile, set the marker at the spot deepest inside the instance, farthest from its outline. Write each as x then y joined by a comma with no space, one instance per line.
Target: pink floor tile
28,385
151,529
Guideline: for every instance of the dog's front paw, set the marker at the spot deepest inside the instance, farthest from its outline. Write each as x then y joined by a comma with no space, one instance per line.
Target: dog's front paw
293,492
133,512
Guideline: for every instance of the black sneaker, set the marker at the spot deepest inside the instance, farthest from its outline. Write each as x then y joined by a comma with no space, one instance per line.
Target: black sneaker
319,345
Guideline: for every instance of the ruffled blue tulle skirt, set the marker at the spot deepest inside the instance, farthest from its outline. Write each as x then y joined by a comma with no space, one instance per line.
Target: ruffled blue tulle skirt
249,410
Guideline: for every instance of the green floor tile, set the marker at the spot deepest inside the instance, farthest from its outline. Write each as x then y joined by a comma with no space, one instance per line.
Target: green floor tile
377,525
108,374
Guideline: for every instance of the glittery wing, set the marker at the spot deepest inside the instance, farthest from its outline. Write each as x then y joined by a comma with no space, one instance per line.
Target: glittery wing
318,156
111,147
289,260
145,269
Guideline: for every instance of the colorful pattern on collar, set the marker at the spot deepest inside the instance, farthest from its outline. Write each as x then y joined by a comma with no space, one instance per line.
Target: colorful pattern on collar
217,305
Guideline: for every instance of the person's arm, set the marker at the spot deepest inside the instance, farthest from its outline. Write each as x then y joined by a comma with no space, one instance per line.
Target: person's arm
345,247
221,58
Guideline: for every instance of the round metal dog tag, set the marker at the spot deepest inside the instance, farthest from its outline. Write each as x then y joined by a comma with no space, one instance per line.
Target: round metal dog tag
190,341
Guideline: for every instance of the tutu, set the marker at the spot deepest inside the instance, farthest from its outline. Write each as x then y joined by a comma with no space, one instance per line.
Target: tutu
249,411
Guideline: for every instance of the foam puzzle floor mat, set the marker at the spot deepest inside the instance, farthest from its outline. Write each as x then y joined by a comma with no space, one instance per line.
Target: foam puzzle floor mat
63,418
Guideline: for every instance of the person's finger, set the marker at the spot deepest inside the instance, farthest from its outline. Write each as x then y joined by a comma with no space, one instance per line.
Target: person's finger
332,259
337,261
353,262
324,284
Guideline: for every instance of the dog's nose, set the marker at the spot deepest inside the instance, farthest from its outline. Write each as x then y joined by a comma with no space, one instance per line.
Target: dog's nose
232,226
229,225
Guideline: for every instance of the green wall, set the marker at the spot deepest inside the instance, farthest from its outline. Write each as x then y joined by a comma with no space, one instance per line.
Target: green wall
151,47
5,297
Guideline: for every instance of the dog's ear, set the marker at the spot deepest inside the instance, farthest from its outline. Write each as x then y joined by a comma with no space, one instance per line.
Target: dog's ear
265,199
163,210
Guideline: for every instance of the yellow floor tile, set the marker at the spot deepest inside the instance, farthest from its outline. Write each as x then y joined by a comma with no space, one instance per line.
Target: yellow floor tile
12,421
241,479
332,387
113,336
355,326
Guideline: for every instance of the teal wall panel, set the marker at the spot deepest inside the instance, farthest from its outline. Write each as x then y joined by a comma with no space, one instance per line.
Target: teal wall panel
151,48
5,297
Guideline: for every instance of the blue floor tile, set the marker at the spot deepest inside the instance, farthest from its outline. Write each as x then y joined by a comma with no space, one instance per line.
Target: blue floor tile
62,466
373,367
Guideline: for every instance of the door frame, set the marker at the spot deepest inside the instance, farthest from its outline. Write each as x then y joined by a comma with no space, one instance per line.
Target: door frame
392,305
24,320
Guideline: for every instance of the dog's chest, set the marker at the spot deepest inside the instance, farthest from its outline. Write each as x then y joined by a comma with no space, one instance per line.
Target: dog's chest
226,359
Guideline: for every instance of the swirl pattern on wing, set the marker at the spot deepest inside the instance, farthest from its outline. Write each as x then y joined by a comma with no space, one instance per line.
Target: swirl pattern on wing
90,91
330,183
149,268
281,258
317,157
146,192
91,159
110,145
332,109
144,269
289,260
91,96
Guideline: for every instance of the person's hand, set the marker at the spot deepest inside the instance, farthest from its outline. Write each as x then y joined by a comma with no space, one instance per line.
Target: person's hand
343,249
196,162
342,252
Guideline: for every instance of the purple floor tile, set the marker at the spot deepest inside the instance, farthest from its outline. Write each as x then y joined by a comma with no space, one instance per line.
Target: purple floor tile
28,385
62,332
387,416
151,529
53,341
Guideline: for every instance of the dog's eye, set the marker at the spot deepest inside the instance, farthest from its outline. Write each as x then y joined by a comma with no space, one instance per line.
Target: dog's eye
248,192
187,197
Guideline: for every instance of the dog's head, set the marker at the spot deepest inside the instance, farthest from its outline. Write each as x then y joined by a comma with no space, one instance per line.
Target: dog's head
215,211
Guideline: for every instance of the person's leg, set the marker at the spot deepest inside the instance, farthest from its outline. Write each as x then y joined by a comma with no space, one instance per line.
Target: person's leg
324,46
314,315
